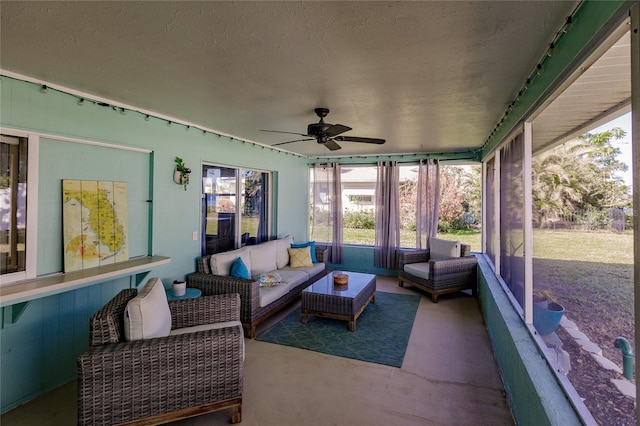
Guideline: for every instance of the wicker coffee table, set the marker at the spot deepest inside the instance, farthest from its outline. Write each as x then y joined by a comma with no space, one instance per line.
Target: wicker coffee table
346,302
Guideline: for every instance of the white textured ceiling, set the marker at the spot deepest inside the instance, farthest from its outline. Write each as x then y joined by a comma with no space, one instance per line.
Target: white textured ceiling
428,76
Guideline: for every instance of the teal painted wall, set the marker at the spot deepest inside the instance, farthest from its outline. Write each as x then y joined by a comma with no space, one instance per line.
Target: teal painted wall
38,352
535,396
360,259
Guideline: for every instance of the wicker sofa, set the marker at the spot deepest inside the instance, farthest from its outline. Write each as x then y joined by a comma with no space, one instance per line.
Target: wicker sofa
158,380
257,302
438,274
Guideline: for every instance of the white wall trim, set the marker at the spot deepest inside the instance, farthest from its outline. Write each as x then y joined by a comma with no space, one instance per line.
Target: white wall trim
33,177
73,140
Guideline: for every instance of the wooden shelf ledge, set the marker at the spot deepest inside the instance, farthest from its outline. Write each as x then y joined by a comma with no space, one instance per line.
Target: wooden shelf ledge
36,288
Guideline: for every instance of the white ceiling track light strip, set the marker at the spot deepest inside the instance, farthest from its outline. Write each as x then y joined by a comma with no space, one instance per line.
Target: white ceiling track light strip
82,97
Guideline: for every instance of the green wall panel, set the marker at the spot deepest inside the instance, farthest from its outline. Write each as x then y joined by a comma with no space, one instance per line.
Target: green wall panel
68,160
535,396
360,259
38,352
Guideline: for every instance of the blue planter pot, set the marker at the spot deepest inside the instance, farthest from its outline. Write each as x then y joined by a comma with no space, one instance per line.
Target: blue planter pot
546,320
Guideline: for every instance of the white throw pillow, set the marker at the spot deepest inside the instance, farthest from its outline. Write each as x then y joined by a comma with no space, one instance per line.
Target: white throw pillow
221,262
147,315
263,257
282,254
443,249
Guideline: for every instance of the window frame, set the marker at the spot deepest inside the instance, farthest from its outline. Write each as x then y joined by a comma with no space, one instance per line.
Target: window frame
31,239
269,200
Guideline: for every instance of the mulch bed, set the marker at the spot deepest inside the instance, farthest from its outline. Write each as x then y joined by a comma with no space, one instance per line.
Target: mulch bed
606,404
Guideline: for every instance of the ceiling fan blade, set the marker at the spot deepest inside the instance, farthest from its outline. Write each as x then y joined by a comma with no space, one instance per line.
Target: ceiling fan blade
359,139
336,129
331,145
289,133
297,140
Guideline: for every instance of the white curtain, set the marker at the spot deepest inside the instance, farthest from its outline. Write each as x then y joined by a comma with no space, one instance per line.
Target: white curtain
387,215
428,202
327,208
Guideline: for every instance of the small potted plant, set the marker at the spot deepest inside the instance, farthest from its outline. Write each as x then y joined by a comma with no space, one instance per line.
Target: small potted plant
181,173
547,312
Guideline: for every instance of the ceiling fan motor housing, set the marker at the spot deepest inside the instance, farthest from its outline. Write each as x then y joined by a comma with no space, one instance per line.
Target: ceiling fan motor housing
315,129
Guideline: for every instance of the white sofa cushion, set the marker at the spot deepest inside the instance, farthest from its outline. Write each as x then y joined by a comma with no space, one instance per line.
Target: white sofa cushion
420,269
271,294
443,249
293,277
147,315
221,262
310,271
282,254
263,257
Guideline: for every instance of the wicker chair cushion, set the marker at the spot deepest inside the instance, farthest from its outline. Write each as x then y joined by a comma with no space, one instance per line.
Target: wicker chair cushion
443,249
420,269
282,254
221,262
147,315
107,325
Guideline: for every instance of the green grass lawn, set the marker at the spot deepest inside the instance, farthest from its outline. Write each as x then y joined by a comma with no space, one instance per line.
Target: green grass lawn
600,247
366,237
581,267
591,275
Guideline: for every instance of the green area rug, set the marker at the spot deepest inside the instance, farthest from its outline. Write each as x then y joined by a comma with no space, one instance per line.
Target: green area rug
381,336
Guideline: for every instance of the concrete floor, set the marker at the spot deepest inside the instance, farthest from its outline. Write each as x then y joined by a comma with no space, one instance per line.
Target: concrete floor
449,377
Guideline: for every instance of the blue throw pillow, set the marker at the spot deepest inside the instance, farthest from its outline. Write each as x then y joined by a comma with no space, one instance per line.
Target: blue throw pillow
312,245
239,269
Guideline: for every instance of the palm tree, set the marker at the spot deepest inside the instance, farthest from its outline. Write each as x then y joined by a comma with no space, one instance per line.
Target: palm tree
578,175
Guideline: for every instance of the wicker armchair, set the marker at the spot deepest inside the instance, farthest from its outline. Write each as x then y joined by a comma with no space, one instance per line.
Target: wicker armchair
439,276
160,380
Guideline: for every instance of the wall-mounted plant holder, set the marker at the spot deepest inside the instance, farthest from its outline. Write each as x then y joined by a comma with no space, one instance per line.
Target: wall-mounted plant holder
181,173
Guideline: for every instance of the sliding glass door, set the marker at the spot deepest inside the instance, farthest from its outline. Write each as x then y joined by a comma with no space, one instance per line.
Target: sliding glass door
235,208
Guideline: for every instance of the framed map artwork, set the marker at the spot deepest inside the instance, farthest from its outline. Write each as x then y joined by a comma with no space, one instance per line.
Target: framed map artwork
95,227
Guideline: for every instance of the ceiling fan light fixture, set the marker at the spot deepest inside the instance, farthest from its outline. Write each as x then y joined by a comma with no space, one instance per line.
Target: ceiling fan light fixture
327,134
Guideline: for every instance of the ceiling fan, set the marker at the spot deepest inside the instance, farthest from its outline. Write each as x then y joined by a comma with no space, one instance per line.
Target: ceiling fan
327,134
